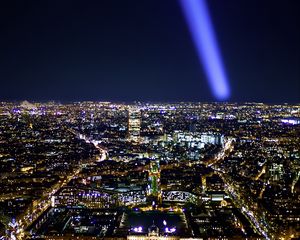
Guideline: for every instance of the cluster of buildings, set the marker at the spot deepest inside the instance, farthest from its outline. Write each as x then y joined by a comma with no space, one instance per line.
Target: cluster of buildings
88,170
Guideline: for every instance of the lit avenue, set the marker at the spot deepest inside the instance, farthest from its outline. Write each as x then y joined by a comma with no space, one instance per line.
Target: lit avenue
149,171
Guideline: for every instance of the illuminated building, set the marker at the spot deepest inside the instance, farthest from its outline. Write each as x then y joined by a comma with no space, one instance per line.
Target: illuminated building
276,171
154,234
198,139
134,124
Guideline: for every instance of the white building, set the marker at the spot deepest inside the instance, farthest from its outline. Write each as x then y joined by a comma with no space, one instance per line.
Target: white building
134,124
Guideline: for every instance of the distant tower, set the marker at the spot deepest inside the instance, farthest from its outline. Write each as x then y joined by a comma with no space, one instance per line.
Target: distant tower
134,124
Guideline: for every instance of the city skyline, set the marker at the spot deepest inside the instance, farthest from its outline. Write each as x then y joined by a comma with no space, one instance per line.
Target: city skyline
145,171
149,120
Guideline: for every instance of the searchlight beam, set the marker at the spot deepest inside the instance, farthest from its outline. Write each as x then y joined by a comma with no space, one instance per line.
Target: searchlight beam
200,25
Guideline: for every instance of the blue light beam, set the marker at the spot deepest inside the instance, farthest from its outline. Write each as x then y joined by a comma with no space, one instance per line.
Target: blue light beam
198,19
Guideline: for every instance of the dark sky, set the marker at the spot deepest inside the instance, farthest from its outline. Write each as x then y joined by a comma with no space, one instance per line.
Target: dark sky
125,50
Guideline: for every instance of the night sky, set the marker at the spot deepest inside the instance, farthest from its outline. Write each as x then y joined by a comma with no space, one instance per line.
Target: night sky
126,50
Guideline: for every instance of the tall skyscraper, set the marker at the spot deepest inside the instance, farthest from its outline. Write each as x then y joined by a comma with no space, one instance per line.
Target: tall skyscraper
134,124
